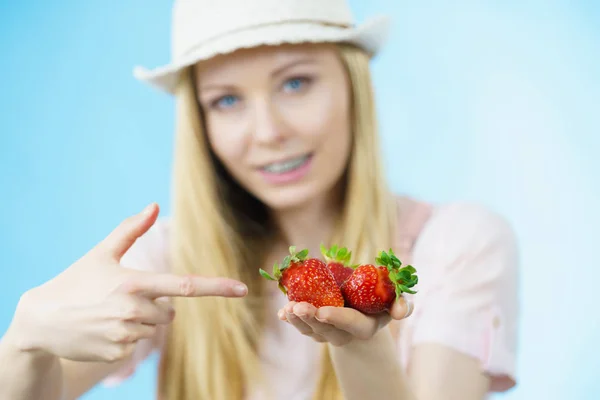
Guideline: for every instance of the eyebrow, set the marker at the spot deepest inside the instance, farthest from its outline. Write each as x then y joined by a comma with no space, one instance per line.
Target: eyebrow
278,71
293,63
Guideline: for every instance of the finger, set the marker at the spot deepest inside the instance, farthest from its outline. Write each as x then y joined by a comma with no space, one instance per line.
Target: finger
402,308
154,285
143,310
129,332
117,352
359,325
295,321
306,312
281,315
128,231
333,335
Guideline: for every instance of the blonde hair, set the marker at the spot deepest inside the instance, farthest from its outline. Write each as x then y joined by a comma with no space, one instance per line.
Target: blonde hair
218,229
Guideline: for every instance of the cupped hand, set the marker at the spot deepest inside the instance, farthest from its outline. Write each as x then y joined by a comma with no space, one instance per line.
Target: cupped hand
96,310
340,325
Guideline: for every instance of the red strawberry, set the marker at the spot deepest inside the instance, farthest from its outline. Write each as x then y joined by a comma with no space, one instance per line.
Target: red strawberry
337,260
372,289
307,280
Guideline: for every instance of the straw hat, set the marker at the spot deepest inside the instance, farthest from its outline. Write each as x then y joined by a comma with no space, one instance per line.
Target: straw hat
202,29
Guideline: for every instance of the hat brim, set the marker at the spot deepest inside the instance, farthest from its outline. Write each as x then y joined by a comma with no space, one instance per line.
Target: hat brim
371,35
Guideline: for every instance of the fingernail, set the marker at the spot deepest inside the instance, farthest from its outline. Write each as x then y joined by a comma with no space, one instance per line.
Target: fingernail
409,308
240,290
320,319
148,209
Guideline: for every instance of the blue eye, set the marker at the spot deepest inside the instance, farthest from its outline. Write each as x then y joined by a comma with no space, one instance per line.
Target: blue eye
226,101
295,84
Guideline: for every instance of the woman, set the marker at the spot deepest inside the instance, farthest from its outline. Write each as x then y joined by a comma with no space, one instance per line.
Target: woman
276,145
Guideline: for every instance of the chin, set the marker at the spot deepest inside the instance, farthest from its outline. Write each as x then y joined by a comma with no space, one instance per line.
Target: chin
288,197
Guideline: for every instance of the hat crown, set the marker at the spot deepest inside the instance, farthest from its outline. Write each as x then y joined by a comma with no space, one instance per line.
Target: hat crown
198,21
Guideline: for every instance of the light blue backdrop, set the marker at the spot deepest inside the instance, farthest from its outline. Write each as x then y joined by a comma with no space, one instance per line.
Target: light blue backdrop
497,102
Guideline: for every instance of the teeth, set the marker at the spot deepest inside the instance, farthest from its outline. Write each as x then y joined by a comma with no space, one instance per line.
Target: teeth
286,166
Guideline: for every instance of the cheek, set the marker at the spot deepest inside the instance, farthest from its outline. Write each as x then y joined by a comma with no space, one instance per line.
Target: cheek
335,145
336,137
331,126
322,118
227,141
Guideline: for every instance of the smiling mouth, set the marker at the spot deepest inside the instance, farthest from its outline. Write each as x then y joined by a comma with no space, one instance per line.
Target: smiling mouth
287,166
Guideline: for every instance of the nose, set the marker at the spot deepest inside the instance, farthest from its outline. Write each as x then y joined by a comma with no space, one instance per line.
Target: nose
269,127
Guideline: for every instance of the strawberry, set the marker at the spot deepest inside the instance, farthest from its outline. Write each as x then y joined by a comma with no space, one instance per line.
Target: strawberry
305,279
337,260
372,289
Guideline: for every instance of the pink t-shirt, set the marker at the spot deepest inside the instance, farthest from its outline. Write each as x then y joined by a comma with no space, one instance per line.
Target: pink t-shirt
467,261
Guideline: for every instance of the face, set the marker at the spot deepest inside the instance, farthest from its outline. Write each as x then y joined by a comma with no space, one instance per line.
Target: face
278,120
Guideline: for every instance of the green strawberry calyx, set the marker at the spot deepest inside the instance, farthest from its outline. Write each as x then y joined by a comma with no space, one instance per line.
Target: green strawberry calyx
336,254
403,278
293,257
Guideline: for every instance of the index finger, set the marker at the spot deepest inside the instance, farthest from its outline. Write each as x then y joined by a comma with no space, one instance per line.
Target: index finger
155,285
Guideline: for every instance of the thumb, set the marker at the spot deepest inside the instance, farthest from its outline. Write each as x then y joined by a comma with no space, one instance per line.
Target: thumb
128,231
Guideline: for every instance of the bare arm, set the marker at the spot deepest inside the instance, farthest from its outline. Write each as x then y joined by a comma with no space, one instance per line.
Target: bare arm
33,375
80,377
27,375
437,372
369,369
365,357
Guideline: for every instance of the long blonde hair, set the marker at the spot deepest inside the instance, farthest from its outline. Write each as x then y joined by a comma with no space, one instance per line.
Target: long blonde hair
218,229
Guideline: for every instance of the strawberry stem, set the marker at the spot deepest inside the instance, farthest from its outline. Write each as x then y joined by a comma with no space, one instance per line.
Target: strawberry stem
336,254
403,278
287,260
295,256
266,275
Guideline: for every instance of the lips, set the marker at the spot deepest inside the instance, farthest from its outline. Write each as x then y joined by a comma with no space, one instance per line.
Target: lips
287,171
286,165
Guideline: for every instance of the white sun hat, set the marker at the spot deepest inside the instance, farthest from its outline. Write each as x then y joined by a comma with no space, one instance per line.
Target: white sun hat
202,29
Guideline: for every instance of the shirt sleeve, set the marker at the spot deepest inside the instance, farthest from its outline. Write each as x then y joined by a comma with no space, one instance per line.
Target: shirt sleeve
467,259
148,253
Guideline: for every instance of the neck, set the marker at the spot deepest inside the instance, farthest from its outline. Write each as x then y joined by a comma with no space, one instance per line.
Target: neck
309,225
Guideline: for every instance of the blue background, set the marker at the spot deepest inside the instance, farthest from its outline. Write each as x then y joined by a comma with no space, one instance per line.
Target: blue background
496,102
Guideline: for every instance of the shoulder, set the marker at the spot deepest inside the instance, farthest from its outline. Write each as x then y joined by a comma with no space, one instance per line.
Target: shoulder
458,224
465,238
466,248
451,225
150,251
